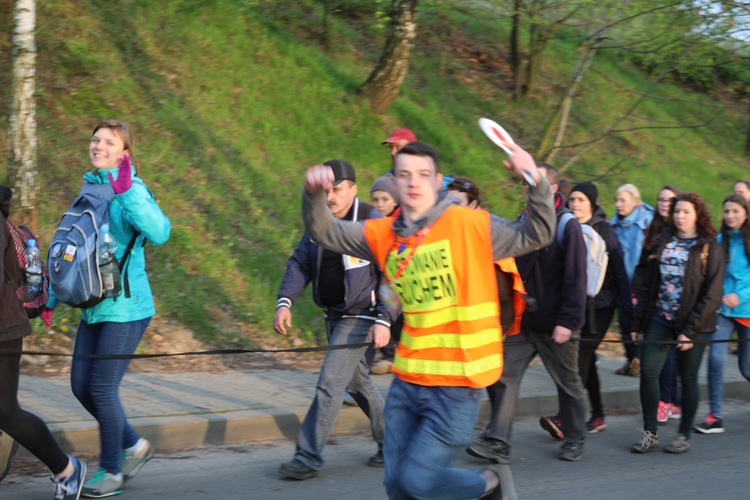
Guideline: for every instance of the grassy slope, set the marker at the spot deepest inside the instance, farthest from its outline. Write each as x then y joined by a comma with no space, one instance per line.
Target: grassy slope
231,104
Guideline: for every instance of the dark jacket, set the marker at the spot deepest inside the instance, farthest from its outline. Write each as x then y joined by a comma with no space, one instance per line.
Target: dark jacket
555,280
702,291
14,323
615,289
361,277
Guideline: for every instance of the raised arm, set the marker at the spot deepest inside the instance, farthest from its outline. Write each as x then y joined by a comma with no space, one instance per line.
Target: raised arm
323,227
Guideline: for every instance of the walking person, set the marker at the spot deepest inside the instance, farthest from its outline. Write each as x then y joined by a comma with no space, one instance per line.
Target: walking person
68,472
555,280
346,288
630,224
615,294
670,406
115,325
439,258
384,198
735,307
677,301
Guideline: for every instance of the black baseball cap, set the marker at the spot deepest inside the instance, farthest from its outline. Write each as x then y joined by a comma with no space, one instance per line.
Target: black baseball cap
342,170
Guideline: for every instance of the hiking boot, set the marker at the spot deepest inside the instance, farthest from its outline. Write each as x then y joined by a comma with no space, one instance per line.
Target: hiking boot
680,444
675,411
596,424
382,367
663,412
377,460
635,367
710,425
625,369
8,447
648,442
102,485
552,425
571,451
297,470
69,488
496,450
132,461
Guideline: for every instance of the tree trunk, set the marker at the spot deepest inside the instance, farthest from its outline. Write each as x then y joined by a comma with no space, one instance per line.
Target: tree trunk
384,83
515,51
22,156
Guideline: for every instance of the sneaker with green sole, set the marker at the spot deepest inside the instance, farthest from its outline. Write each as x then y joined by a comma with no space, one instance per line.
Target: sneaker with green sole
102,485
132,461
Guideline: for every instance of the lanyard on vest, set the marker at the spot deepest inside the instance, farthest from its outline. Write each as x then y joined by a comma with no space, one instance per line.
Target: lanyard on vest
402,267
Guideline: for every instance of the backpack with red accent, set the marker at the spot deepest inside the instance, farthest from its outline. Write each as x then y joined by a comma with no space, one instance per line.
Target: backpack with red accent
33,302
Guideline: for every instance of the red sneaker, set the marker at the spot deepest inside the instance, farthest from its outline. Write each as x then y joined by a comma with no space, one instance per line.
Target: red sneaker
675,411
663,412
552,425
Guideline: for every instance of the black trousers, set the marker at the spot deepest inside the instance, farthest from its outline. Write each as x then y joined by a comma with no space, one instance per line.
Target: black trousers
590,340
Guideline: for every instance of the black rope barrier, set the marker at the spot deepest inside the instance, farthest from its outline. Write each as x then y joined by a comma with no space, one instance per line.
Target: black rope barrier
218,352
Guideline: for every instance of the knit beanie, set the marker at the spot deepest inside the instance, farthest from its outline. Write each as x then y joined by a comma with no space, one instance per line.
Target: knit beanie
385,183
589,191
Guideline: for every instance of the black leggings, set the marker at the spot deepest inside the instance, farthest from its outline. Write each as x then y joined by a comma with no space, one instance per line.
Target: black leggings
26,428
587,357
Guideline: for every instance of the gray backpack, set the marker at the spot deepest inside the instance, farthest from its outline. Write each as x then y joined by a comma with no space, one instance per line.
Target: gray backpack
72,260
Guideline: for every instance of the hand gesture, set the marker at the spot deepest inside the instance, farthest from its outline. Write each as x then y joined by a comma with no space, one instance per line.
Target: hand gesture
560,334
521,161
124,176
687,345
380,334
319,179
282,319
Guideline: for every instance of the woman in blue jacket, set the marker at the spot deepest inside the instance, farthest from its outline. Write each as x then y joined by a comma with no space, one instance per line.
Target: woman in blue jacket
630,223
116,325
735,307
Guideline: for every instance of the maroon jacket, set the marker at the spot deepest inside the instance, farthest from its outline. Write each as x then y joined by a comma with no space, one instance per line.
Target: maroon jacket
14,323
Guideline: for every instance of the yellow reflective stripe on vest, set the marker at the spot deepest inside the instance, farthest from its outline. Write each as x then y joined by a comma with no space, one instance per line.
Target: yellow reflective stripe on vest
451,340
454,313
449,368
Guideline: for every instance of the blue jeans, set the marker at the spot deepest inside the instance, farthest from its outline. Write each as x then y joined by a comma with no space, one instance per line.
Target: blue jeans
341,368
425,429
717,355
96,383
653,357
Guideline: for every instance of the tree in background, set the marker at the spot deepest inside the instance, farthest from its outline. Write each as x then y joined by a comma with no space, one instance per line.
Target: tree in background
384,83
22,154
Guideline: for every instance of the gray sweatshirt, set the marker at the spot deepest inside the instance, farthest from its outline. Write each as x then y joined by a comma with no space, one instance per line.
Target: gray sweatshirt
509,239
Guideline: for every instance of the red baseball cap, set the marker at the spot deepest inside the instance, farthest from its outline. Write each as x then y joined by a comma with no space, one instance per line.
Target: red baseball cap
400,134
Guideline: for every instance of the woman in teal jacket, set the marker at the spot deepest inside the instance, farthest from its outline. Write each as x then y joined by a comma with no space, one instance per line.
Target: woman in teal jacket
116,325
735,307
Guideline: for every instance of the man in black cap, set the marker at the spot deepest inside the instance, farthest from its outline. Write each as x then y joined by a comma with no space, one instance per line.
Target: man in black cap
346,288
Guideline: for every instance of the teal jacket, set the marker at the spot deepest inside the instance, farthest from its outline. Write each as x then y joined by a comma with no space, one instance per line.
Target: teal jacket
135,210
737,277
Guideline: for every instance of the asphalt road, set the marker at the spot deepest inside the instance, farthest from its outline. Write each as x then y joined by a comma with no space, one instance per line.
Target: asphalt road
715,468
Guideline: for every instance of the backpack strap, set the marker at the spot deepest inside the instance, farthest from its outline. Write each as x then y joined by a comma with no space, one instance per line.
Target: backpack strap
121,264
704,258
565,217
562,221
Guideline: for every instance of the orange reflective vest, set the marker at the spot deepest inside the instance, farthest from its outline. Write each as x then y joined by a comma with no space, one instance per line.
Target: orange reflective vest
516,300
448,293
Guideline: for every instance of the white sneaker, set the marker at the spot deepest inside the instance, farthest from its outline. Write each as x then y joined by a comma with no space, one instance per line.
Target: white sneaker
132,461
102,485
